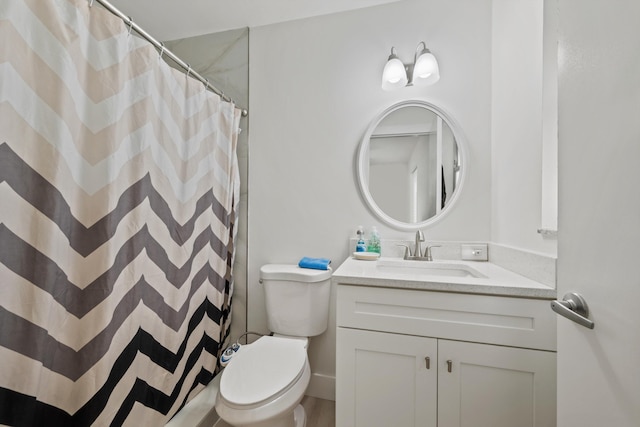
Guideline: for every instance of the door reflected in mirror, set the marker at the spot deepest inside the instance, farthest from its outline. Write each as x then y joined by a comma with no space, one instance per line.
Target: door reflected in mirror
410,165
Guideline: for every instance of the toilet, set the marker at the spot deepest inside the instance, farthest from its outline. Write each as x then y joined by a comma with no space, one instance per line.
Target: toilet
264,382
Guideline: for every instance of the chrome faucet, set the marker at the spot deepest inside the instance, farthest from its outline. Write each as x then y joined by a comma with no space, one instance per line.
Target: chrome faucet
417,254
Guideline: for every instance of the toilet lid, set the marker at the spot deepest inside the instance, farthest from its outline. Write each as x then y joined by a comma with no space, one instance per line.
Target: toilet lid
262,369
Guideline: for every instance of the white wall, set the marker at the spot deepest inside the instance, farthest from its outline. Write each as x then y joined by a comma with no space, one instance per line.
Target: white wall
314,89
521,116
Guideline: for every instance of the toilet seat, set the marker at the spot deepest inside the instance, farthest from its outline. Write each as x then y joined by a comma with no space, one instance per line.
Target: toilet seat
263,371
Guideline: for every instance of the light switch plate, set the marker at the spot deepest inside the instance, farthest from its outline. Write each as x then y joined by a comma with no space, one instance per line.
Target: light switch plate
474,253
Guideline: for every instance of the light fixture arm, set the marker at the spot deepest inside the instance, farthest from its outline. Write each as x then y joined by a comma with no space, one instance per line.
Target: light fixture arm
420,51
393,53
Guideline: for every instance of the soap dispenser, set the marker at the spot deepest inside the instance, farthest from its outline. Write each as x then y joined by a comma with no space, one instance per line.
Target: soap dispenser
374,241
360,245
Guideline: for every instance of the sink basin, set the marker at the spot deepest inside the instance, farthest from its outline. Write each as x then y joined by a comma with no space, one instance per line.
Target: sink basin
427,268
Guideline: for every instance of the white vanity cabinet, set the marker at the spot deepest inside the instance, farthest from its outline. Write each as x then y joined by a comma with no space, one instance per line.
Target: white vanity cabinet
423,358
385,379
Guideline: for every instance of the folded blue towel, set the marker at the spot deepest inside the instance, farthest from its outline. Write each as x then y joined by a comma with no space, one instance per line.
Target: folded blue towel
315,263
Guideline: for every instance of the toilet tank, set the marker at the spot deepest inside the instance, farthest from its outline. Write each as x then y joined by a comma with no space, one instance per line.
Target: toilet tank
297,299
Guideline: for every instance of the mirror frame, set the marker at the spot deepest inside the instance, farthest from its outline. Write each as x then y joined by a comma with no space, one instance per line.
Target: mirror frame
362,158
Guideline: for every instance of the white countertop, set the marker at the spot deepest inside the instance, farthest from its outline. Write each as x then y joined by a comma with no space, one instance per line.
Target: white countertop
498,281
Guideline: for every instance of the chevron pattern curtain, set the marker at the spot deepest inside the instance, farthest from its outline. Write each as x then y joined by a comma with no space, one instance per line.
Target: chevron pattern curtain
118,181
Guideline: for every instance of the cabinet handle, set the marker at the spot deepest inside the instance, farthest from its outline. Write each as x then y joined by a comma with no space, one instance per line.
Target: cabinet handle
449,365
427,362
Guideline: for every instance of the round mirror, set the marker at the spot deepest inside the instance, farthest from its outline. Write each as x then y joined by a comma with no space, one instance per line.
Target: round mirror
410,165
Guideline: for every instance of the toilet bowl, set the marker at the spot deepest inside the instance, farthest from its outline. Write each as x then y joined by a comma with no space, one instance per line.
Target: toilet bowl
264,383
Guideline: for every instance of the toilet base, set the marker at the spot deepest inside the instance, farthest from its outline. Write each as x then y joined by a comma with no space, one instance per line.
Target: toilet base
296,418
299,416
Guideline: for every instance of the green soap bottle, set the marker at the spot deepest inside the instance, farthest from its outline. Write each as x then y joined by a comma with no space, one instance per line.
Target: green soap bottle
374,241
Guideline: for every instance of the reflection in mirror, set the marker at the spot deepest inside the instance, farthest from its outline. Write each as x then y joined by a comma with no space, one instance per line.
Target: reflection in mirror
410,165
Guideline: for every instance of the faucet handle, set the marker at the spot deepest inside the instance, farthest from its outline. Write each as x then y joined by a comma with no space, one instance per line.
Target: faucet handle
419,236
427,252
407,251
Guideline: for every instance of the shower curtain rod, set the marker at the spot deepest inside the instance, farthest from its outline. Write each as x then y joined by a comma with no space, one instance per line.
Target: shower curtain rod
163,50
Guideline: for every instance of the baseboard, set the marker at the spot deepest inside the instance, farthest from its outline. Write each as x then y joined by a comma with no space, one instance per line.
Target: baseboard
322,387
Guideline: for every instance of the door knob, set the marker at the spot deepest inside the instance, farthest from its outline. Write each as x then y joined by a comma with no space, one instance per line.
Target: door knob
573,307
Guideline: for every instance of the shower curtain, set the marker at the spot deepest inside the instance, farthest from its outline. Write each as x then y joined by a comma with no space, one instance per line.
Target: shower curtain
118,184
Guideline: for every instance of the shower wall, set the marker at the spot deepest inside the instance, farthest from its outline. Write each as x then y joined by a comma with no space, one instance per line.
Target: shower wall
223,58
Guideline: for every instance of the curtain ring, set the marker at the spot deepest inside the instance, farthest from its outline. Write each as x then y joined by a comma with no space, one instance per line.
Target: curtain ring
161,49
90,3
130,25
206,82
188,69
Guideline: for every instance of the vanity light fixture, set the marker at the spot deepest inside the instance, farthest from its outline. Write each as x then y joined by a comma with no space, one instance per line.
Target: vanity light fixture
424,70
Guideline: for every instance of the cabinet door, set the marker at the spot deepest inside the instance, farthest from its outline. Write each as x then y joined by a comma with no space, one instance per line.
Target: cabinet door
385,380
493,386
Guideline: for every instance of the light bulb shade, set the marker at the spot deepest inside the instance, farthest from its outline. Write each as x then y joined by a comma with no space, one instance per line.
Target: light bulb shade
425,70
394,75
